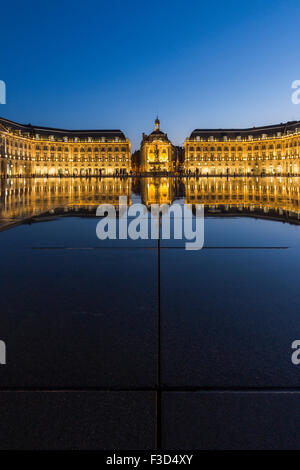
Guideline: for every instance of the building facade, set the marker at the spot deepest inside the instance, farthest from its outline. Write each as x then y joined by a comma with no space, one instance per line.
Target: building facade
157,152
26,150
269,150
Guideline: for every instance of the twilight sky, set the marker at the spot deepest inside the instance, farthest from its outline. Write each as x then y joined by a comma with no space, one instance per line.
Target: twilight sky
116,64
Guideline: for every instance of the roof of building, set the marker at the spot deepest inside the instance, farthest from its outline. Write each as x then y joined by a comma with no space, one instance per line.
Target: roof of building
157,134
47,131
253,131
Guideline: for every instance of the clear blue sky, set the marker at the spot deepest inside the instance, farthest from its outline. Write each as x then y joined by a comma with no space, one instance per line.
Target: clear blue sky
116,64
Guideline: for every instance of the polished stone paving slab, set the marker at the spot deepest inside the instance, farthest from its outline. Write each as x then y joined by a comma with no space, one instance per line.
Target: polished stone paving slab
77,420
231,420
79,319
67,232
138,347
229,317
239,231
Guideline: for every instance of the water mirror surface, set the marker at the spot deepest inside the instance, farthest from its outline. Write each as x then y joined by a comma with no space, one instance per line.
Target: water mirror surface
78,311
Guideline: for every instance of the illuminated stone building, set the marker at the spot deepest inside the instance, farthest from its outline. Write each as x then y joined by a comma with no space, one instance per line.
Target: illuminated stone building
157,152
269,150
26,150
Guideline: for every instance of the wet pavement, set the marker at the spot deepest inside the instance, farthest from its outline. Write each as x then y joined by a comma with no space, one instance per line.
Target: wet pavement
141,344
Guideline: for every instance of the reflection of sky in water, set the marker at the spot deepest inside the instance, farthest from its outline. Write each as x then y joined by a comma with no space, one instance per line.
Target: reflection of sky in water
229,312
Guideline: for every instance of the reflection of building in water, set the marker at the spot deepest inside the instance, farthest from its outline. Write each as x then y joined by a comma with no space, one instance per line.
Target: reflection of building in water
157,190
268,196
157,152
21,197
26,150
259,150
